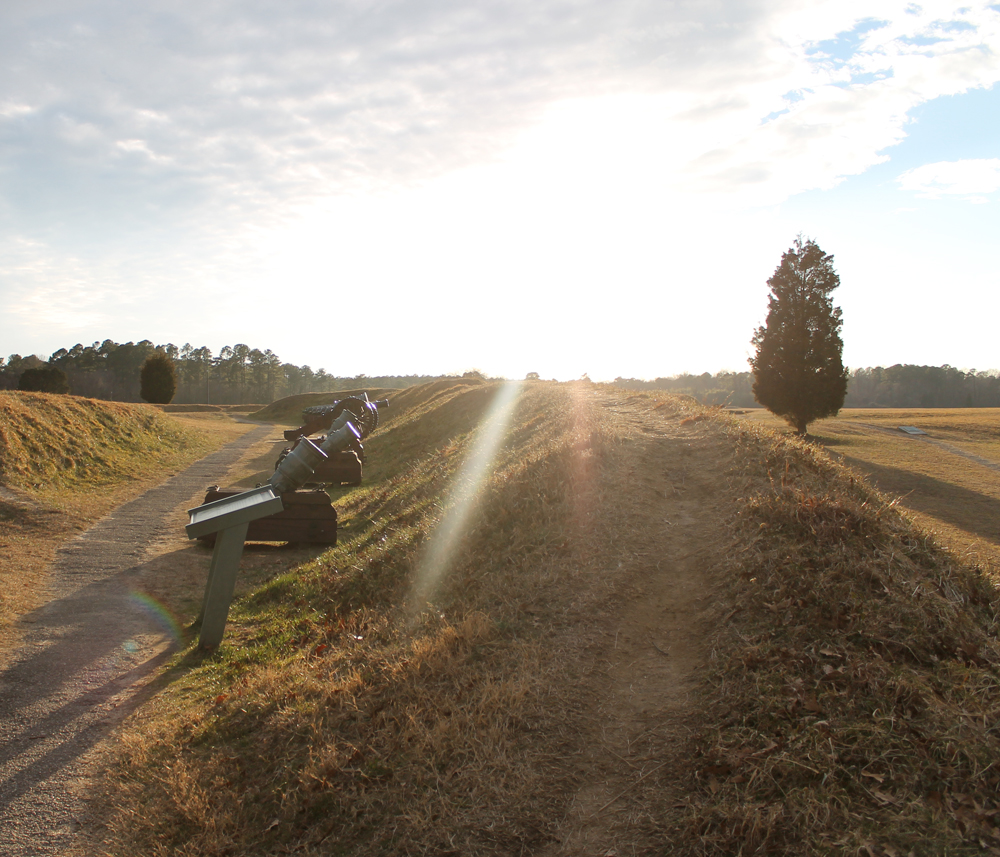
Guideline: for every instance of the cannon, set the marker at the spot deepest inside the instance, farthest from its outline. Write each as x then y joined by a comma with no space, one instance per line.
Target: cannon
227,520
346,466
320,417
307,514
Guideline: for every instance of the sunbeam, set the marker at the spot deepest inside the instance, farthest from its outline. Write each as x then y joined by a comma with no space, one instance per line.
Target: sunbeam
463,498
583,459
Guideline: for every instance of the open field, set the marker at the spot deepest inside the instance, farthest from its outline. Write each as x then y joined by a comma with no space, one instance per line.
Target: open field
949,480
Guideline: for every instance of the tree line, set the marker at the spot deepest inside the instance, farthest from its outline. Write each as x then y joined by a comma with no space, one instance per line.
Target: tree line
243,375
237,375
898,386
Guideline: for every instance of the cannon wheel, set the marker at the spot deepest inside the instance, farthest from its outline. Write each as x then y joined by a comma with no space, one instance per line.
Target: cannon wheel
370,419
367,416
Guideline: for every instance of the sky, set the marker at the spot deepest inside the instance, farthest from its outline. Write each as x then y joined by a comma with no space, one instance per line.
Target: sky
513,186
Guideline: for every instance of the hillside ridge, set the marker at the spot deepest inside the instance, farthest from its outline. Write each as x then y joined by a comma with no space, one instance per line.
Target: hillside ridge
566,618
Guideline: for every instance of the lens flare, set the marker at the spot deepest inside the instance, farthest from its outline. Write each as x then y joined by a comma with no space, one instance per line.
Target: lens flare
160,614
582,479
463,497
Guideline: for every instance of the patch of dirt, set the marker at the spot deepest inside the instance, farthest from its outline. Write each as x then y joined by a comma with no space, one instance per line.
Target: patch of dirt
671,496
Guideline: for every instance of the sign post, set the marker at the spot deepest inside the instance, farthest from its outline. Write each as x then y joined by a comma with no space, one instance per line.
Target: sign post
229,518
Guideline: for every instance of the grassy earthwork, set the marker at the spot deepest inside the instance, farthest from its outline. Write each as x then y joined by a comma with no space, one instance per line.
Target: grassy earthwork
846,703
451,677
948,479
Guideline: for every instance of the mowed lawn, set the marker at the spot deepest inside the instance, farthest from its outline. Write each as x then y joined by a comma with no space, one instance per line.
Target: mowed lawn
948,479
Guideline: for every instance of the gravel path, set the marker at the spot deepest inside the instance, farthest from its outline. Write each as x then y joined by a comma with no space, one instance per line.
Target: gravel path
86,660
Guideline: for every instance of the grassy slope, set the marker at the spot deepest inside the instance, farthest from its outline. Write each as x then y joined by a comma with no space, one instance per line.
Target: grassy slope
945,479
69,442
852,697
856,678
71,460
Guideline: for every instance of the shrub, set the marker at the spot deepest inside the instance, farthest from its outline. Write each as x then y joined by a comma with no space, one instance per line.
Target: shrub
157,379
43,379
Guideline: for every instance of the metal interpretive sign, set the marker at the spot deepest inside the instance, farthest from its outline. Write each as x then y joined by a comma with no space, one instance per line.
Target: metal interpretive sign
229,518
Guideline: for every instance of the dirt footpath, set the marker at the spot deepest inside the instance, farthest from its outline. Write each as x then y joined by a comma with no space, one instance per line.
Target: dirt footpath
665,510
86,659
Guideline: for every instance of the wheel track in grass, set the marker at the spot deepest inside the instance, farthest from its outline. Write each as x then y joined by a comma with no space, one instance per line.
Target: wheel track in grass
86,659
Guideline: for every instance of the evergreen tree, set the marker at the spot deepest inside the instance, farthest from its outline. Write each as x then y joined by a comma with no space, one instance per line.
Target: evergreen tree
158,379
798,369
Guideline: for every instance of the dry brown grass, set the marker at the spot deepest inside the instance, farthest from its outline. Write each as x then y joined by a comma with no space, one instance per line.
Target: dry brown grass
207,409
70,442
65,461
856,677
853,689
949,480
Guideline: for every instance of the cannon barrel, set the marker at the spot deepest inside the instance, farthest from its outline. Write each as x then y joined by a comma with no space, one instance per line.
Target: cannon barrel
295,468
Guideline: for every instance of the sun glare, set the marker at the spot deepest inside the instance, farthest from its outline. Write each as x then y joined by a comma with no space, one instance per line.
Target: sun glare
463,498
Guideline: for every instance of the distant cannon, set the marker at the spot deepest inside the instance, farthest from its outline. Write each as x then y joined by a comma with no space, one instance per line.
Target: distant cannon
307,515
345,467
319,417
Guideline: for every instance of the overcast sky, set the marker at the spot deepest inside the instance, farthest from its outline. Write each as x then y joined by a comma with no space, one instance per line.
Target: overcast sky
429,186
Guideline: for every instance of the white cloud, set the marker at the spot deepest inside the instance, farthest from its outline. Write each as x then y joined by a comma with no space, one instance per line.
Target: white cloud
852,73
253,107
974,176
418,146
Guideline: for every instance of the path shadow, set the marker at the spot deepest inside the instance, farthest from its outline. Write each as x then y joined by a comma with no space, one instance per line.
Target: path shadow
73,679
88,658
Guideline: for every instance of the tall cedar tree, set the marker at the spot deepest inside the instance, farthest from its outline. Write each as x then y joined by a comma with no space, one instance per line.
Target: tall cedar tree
798,371
158,379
